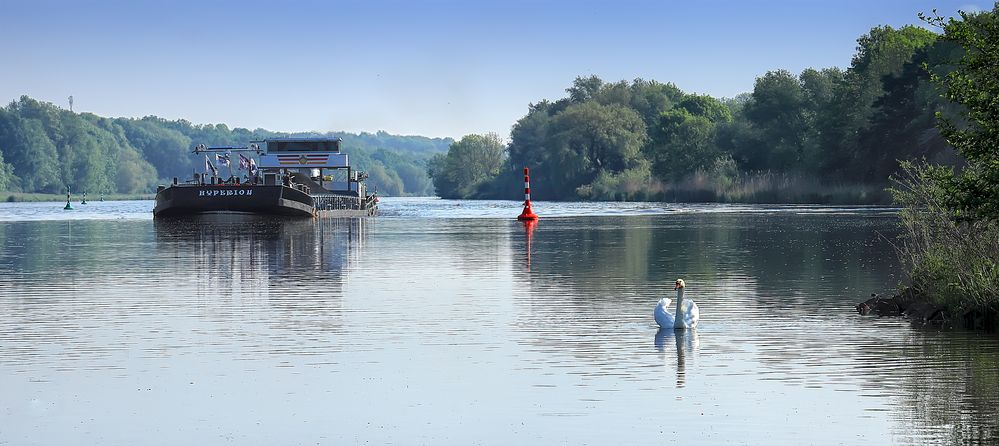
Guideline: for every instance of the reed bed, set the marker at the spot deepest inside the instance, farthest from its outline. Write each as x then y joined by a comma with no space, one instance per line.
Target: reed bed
952,262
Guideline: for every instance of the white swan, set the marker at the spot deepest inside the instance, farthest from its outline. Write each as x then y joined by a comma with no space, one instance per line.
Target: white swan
687,313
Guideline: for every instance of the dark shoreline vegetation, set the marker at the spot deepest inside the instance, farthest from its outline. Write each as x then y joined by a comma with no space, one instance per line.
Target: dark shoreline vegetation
823,136
45,149
15,197
950,217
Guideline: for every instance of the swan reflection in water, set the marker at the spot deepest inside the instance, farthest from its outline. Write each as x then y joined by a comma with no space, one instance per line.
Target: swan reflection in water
686,343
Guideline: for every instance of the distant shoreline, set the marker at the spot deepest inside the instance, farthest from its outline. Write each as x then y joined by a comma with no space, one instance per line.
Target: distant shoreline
838,196
13,197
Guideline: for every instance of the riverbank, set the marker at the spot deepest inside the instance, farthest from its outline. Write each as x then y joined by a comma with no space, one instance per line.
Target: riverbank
37,197
923,309
733,187
951,261
774,188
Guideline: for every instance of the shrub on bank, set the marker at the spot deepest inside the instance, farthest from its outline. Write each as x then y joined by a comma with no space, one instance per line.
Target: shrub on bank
952,262
771,187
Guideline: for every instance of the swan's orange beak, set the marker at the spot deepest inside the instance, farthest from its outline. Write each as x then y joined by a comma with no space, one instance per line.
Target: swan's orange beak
676,286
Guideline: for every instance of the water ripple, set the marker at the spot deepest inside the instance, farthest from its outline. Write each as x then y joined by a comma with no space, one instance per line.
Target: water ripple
438,323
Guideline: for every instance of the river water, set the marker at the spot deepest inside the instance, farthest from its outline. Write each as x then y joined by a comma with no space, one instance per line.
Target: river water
448,322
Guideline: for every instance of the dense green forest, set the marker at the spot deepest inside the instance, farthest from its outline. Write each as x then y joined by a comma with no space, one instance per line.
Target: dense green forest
44,148
822,135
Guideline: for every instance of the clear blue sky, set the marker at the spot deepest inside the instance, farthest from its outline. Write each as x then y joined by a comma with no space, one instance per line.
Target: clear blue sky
434,68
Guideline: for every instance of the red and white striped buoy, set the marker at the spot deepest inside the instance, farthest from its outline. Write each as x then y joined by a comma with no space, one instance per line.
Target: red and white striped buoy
527,214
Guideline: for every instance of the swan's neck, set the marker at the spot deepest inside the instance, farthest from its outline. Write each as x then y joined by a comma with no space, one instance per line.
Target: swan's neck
679,300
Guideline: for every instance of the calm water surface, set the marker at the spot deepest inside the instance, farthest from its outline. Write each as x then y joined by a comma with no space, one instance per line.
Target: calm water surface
446,322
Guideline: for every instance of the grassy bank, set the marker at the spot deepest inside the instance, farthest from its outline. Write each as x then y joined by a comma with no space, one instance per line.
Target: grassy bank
769,187
736,187
29,196
953,263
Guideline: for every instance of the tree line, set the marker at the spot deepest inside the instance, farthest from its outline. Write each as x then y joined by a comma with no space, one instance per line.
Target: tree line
45,148
795,137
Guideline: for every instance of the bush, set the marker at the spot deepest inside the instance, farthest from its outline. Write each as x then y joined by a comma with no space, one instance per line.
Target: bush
954,262
629,185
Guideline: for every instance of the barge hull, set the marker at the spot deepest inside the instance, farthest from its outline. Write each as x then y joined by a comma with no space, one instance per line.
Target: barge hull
216,199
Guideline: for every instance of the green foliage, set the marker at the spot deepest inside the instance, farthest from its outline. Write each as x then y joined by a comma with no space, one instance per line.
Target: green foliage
725,183
844,130
420,146
683,143
409,171
51,149
165,148
627,185
952,261
684,138
974,84
882,52
386,182
29,150
819,88
904,126
584,89
468,164
778,109
7,177
950,242
829,126
579,143
605,137
705,106
648,98
46,149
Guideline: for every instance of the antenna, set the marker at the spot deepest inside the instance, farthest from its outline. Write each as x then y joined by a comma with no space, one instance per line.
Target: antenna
70,103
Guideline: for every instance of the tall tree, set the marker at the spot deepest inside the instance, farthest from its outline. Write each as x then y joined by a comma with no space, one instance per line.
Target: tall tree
685,143
973,83
684,139
7,177
469,163
584,88
588,138
881,52
778,109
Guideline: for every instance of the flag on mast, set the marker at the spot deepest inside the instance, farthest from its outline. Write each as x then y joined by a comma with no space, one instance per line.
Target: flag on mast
210,167
244,162
222,158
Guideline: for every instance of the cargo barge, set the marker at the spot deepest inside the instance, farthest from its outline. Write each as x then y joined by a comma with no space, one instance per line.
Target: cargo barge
302,177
